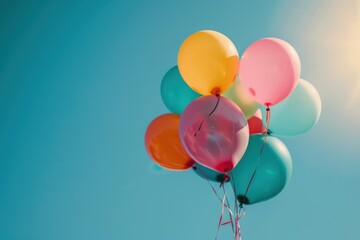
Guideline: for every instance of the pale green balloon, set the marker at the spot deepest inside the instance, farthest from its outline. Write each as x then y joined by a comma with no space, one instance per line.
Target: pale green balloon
298,113
239,95
273,170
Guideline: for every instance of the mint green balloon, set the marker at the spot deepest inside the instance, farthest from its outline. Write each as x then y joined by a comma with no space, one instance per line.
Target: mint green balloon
175,93
273,172
298,113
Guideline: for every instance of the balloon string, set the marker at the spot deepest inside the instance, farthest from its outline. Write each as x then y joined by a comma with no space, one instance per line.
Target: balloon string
222,185
216,106
230,215
222,208
239,215
199,128
222,200
237,210
213,188
220,219
261,151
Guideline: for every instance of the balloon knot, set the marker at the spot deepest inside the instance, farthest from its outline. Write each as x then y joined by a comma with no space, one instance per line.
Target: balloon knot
243,199
216,91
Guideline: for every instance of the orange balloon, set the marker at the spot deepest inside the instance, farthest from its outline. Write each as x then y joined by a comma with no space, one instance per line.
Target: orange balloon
163,144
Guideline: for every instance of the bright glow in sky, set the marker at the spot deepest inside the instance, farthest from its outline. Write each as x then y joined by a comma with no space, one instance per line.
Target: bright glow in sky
343,42
330,34
353,49
327,36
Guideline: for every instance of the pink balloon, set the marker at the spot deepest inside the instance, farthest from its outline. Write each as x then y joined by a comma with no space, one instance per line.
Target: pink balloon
256,124
270,69
214,132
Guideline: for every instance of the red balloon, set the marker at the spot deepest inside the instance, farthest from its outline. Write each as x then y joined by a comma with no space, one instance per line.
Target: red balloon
214,132
255,123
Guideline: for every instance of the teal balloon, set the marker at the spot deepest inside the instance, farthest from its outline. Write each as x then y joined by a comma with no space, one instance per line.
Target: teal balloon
207,173
272,174
175,93
298,113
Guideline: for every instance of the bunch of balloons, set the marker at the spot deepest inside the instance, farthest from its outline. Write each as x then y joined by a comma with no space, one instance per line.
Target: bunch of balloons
226,113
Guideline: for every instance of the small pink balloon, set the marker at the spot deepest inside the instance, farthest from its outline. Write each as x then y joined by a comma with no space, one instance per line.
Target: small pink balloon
214,132
270,69
255,123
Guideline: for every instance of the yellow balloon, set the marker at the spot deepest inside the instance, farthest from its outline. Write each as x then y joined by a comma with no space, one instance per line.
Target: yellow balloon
208,62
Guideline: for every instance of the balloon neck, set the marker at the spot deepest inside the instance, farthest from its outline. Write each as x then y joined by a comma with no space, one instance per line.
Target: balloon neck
267,133
216,91
243,200
220,178
226,177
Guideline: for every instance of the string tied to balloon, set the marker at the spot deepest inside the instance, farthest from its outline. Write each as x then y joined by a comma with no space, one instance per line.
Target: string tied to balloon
227,206
224,200
243,199
234,219
223,204
212,111
240,212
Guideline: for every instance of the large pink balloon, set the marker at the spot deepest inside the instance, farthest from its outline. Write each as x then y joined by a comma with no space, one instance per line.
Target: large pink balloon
270,69
214,132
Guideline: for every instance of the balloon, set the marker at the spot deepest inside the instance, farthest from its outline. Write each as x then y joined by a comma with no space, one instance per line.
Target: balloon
255,123
273,172
175,93
209,174
214,132
298,113
208,61
270,69
163,144
239,95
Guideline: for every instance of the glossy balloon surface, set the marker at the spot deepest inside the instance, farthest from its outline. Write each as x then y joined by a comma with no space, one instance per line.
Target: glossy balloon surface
270,69
214,132
163,144
175,93
298,113
273,172
208,61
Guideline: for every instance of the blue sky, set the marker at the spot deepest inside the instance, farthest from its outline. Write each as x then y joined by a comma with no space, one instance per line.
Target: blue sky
80,82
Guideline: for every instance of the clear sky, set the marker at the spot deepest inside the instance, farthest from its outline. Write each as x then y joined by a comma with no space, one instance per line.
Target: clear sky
80,82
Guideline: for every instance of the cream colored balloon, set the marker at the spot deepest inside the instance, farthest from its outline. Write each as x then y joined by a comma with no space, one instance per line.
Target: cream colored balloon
238,94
